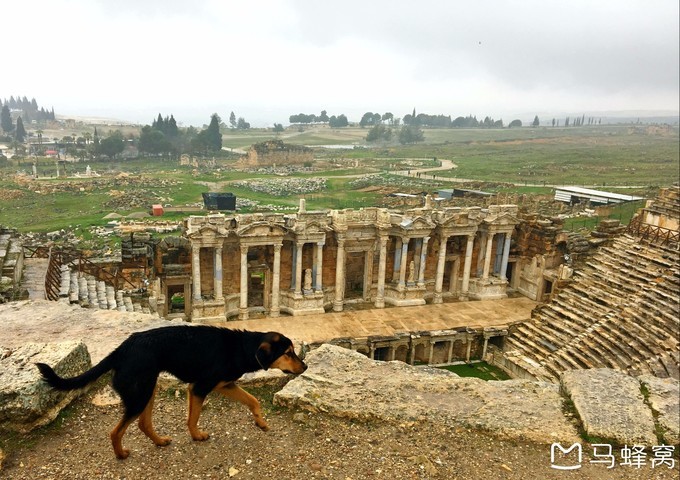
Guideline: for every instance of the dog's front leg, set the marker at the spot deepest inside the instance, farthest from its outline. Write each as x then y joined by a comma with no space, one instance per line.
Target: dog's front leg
233,391
195,406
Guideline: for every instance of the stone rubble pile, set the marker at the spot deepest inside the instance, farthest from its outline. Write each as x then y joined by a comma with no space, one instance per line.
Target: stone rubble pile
285,186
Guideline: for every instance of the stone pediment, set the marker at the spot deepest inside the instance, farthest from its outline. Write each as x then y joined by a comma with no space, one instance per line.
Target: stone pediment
460,219
208,232
311,228
415,224
262,229
502,219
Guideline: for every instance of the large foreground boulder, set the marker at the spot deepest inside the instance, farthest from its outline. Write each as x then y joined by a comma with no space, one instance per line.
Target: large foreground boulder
27,402
348,384
611,405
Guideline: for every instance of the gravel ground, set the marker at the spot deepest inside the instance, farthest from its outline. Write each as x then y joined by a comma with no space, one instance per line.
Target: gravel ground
300,445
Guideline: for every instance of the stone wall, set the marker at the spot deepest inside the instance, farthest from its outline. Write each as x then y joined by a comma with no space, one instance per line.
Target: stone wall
276,152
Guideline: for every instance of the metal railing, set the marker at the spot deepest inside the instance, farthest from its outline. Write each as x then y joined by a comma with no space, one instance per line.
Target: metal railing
652,233
58,256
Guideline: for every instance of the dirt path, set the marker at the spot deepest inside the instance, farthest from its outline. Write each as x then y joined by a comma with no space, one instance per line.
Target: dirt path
300,445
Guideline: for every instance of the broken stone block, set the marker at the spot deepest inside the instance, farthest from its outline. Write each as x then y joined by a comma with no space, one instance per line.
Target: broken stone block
611,406
664,398
26,402
347,384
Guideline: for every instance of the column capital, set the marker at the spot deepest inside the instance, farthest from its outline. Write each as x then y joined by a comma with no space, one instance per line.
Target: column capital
244,249
277,247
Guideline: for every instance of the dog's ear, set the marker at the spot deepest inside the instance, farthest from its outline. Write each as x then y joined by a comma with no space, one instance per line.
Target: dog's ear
264,355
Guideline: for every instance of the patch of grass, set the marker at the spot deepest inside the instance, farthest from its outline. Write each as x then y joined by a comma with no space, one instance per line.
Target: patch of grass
623,212
481,370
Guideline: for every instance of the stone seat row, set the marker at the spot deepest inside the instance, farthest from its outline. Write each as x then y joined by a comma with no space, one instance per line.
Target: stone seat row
618,312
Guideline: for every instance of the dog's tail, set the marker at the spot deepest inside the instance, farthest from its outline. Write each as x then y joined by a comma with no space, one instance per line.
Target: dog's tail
59,383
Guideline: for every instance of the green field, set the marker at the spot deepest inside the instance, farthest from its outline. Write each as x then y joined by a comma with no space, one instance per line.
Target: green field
513,161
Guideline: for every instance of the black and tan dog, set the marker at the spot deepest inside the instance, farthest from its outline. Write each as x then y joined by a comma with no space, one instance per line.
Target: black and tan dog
207,358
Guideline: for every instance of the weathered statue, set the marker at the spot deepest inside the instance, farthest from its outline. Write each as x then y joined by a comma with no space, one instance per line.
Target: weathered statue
308,279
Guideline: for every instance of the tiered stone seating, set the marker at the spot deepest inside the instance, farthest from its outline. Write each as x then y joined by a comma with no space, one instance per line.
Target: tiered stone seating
620,311
91,293
11,262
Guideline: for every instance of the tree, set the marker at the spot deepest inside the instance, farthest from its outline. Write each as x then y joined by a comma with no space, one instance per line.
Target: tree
338,122
242,124
172,130
379,132
232,119
410,134
515,123
152,140
278,127
213,137
112,145
388,117
370,118
323,117
6,119
536,122
20,131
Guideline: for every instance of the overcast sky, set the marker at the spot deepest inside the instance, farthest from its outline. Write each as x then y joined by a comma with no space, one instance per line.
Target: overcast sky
265,60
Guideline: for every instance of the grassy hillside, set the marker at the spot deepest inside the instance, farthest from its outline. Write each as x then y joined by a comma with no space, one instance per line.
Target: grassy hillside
525,160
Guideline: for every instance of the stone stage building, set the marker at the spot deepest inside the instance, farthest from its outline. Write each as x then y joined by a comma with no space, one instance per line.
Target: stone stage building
241,266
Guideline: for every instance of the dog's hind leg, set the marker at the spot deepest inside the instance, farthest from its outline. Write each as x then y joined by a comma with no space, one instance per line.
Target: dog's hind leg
117,437
233,391
146,425
195,406
135,393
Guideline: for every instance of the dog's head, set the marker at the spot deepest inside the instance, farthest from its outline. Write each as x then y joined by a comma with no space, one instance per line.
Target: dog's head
276,351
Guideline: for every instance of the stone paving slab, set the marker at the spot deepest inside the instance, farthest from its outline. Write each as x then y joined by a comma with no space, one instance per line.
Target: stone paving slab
664,398
389,321
611,405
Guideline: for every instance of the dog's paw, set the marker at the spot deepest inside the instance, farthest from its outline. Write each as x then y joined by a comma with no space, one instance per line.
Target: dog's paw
263,426
163,441
123,454
200,436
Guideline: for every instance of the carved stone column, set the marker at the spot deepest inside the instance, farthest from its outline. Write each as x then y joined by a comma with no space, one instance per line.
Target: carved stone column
243,305
276,282
506,255
217,281
339,277
298,268
196,271
397,260
423,256
468,265
368,274
487,259
403,265
439,279
380,296
318,287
